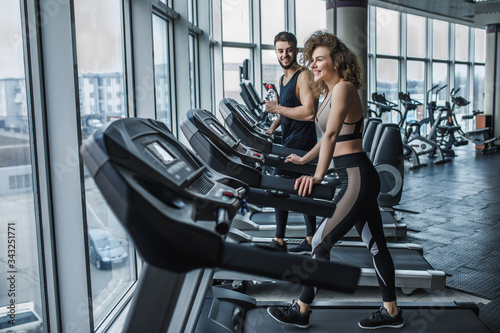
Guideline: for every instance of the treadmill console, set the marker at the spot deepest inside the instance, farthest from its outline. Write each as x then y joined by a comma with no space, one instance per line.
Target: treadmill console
149,151
242,114
211,128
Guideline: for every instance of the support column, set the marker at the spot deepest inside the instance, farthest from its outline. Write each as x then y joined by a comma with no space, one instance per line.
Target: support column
348,20
492,76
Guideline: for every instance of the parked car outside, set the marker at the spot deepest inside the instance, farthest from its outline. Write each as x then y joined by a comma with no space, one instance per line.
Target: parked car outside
105,250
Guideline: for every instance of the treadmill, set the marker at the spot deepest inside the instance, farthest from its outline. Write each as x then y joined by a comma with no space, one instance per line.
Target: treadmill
162,195
166,199
222,152
238,119
220,149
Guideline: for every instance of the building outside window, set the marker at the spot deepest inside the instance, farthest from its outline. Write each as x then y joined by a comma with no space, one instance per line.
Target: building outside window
162,70
20,285
100,49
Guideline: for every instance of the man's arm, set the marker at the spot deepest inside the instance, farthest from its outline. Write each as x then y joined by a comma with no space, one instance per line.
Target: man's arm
305,112
274,126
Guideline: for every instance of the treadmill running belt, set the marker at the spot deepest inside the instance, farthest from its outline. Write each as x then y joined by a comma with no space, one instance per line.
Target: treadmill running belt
297,218
269,218
360,257
346,320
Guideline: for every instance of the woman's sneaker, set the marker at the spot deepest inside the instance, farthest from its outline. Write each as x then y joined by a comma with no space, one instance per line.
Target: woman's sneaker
381,318
289,315
277,246
302,248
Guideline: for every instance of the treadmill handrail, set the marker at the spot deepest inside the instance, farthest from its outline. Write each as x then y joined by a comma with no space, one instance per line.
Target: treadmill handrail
319,191
286,267
294,203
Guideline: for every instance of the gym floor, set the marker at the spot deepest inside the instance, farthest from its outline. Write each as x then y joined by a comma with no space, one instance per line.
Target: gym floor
456,215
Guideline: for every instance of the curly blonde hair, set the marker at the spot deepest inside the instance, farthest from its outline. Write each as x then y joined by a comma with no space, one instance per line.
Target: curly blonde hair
343,58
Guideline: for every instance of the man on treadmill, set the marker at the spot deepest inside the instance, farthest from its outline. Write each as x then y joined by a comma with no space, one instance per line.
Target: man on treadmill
296,111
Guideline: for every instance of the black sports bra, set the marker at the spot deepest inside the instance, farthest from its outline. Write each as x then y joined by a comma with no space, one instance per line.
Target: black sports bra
351,131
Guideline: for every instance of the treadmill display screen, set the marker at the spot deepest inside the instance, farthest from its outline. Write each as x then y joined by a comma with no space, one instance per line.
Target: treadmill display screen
216,129
244,115
160,152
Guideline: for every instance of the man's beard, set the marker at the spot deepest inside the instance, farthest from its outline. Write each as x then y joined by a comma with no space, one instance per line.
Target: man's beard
293,62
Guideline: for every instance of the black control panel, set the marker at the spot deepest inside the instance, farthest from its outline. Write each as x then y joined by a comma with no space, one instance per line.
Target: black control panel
149,150
210,126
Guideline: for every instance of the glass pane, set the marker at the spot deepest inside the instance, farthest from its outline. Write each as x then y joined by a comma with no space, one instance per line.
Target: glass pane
480,49
387,32
20,282
461,42
461,79
310,15
162,70
233,59
388,84
461,82
416,27
192,72
415,84
192,17
272,13
99,42
478,88
440,39
440,76
236,21
271,69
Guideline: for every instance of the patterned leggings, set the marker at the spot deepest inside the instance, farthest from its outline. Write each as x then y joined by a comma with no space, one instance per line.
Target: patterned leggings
356,206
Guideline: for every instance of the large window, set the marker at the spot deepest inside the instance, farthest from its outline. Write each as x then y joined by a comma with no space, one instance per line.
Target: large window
239,21
440,39
478,97
432,49
387,60
272,13
236,17
388,82
162,70
102,92
387,32
271,69
20,278
192,11
440,77
233,59
415,80
193,71
416,30
480,47
461,43
462,84
310,15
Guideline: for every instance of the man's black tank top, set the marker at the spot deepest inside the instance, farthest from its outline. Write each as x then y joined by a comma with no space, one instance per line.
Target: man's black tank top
295,133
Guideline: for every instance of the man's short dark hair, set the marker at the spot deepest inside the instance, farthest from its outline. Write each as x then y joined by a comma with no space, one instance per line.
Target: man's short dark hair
285,36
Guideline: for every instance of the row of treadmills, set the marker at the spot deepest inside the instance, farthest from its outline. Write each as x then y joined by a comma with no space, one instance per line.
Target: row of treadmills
201,215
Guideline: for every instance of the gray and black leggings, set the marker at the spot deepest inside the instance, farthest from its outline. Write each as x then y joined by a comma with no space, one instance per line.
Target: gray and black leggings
356,206
282,215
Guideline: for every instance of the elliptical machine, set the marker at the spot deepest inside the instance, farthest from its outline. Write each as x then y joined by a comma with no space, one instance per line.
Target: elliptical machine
384,105
445,134
411,131
479,137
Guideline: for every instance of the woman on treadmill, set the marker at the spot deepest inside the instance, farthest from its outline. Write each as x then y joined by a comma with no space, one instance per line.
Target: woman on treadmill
340,117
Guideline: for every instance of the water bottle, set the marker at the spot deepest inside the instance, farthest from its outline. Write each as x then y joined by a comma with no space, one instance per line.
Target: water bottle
271,96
